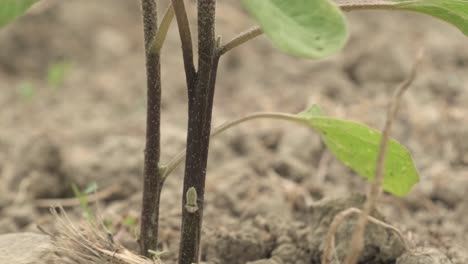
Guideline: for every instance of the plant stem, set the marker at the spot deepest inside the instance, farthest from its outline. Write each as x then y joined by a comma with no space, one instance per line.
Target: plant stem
345,5
198,136
158,40
187,49
339,219
351,5
241,39
152,179
179,158
374,191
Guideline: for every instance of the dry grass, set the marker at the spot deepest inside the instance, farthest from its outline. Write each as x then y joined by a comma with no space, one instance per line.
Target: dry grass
89,243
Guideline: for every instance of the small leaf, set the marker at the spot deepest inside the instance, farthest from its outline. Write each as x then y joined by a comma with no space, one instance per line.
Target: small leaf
191,200
90,188
130,221
452,11
357,146
10,9
83,199
76,191
56,73
304,28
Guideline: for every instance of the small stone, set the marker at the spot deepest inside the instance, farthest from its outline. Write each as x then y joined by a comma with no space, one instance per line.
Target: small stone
237,245
25,248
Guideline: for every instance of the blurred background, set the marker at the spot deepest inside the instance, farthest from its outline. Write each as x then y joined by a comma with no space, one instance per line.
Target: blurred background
72,98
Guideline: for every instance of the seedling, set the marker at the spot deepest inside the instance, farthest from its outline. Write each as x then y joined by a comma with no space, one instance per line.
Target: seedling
82,196
131,223
305,28
26,90
56,73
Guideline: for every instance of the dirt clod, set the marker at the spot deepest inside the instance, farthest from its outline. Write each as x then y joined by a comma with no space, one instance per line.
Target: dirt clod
237,245
25,248
424,256
381,245
37,170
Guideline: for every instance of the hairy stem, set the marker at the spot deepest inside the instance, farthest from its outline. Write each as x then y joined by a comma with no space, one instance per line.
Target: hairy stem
151,178
198,136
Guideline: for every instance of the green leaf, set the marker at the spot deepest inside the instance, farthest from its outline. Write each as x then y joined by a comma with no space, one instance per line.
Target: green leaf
76,190
357,146
130,221
10,9
304,28
452,11
56,73
83,199
91,188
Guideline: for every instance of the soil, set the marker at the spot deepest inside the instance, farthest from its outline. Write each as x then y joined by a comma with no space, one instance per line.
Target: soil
272,188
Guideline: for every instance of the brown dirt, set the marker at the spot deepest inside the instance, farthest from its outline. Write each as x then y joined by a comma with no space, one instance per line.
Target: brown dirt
262,177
